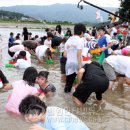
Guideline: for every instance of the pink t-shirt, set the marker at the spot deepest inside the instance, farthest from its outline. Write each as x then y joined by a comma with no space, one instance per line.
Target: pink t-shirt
20,90
125,51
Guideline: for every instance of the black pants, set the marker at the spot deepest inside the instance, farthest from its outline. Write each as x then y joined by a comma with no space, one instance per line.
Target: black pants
69,82
11,53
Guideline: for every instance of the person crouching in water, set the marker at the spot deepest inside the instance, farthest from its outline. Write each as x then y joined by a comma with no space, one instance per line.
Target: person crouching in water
22,61
91,78
45,87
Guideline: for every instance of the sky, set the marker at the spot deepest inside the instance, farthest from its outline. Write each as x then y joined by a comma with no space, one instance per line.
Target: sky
101,3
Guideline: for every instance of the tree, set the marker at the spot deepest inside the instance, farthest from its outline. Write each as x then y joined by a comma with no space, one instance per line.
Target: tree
124,10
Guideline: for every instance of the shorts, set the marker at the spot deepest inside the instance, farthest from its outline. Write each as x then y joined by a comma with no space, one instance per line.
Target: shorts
97,84
109,70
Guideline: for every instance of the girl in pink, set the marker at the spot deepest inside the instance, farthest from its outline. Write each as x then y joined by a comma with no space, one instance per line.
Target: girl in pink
21,89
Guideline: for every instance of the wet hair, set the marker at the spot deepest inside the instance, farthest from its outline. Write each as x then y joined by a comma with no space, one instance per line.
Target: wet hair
32,105
36,36
11,33
30,75
58,28
17,37
79,28
69,32
47,29
43,74
25,30
49,34
101,28
22,53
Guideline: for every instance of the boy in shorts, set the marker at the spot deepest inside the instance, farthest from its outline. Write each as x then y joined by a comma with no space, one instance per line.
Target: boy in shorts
91,78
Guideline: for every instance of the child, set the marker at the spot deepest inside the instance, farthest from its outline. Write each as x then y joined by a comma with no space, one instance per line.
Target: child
21,89
124,51
91,78
62,67
48,41
49,118
62,45
22,61
45,86
11,40
3,80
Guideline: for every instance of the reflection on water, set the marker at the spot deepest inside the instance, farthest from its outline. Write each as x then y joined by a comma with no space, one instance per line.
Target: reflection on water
114,116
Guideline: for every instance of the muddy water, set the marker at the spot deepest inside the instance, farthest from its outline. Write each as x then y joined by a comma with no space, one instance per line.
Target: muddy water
114,115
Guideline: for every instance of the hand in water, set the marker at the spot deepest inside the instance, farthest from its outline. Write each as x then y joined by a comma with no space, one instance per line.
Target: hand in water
37,127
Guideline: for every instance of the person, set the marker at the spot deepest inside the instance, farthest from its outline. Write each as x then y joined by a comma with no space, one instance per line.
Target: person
3,80
90,78
62,67
22,61
68,33
117,66
11,40
48,118
59,32
73,53
62,45
48,41
30,44
28,55
25,34
21,89
1,38
45,87
43,51
124,51
17,40
104,41
16,47
94,32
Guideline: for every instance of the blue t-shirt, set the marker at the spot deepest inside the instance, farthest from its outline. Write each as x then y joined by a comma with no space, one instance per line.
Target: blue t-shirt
103,43
60,119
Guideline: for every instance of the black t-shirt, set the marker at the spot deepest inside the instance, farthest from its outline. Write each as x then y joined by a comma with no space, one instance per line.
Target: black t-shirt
3,78
93,68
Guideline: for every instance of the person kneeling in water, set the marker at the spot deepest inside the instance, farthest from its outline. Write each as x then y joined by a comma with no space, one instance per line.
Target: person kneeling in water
45,87
48,118
91,78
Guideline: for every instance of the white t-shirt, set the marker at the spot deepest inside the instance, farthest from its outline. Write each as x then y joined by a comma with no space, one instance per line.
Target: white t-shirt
18,41
22,64
114,30
72,46
28,55
62,47
121,64
48,43
41,51
16,48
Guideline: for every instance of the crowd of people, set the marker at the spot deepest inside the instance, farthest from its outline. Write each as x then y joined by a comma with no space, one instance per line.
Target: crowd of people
76,54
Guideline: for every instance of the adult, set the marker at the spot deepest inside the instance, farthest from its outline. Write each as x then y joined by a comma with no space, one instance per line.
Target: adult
73,53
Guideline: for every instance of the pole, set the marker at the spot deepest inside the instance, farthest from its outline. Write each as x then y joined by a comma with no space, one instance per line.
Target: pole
102,9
